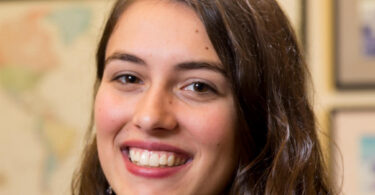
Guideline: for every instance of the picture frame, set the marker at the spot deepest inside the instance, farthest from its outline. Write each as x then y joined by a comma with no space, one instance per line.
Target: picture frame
354,37
353,150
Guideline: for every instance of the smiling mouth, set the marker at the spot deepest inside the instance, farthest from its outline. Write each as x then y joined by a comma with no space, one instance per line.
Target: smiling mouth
155,159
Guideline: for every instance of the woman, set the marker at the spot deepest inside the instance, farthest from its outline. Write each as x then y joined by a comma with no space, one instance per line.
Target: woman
201,97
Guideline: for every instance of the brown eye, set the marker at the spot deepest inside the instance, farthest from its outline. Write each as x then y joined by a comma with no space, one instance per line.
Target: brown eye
199,87
127,79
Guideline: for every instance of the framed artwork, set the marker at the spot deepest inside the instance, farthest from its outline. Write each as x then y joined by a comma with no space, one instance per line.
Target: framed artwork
353,150
355,44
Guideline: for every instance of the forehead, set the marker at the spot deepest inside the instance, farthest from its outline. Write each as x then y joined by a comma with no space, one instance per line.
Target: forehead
161,27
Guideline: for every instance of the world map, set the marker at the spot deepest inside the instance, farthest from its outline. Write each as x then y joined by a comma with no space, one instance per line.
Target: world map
46,77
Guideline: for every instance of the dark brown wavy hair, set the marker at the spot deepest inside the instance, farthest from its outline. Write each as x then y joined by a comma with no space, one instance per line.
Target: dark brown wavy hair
279,149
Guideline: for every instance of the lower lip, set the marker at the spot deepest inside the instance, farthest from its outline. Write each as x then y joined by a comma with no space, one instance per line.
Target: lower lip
156,172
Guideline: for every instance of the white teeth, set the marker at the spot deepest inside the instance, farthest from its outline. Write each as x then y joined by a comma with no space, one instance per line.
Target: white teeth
154,158
137,156
144,158
163,160
170,160
132,152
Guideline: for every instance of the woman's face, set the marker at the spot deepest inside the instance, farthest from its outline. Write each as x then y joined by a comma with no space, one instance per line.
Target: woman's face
164,111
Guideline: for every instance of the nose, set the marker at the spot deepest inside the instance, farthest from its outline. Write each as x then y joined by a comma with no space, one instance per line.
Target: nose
154,111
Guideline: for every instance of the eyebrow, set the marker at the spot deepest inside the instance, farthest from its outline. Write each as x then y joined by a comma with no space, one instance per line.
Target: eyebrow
125,57
192,65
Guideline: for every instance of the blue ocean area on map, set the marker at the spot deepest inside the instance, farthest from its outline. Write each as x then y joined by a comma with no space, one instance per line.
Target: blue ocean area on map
71,21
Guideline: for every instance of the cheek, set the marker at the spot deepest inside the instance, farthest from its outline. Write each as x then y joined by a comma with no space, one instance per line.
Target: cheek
214,127
110,112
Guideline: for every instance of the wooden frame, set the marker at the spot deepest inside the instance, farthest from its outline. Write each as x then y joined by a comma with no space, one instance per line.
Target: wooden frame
355,44
353,150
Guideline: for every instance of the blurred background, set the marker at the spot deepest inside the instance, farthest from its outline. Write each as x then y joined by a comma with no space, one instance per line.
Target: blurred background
47,67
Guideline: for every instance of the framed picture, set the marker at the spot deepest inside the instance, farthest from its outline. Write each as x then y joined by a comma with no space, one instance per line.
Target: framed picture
353,150
355,44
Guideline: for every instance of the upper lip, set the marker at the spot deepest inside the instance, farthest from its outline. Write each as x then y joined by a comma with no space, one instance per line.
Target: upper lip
155,146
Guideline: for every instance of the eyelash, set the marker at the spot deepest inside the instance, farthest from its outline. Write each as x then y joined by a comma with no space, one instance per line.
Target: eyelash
124,79
206,86
131,79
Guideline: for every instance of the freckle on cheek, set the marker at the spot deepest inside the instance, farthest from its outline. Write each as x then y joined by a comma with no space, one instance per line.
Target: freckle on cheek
206,48
196,31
